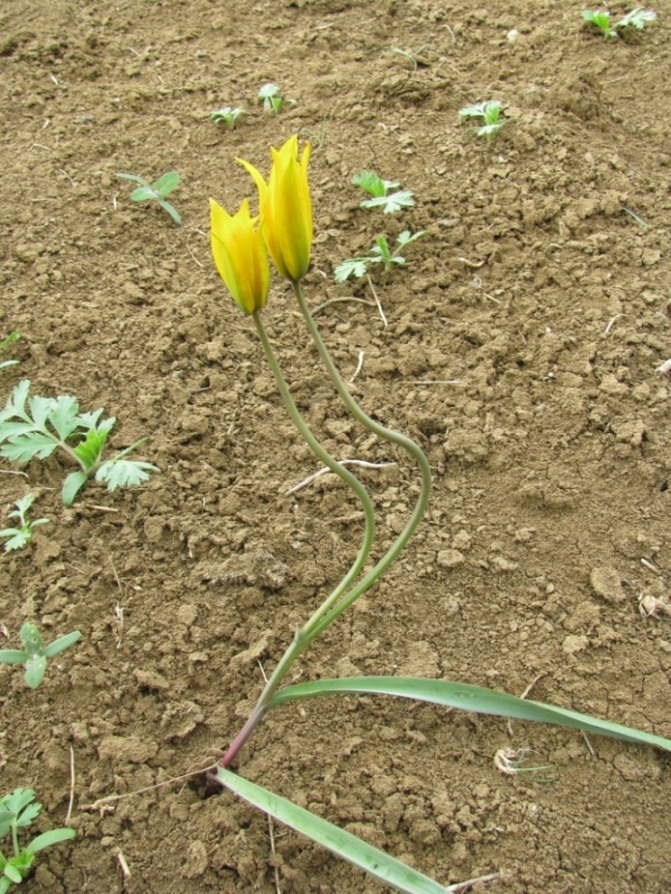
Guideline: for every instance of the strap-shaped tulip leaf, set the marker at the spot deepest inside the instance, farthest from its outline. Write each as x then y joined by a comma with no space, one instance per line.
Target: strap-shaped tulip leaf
380,865
468,698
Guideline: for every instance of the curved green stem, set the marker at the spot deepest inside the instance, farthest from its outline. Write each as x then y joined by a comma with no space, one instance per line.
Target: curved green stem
302,638
326,615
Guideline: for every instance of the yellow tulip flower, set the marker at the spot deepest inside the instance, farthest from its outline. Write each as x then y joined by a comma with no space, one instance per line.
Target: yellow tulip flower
240,256
285,209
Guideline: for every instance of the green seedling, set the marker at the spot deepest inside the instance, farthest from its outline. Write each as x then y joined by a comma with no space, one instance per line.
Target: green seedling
490,112
17,538
12,337
49,423
34,654
228,116
269,95
417,57
156,193
379,189
638,18
380,253
17,811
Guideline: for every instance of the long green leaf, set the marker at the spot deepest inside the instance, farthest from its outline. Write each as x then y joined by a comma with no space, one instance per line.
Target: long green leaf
373,861
468,698
46,839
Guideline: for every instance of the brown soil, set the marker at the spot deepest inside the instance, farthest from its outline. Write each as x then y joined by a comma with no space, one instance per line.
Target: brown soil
521,352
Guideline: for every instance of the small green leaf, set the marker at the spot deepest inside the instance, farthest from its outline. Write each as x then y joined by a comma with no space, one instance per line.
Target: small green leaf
143,194
375,862
637,18
39,409
172,211
124,473
62,643
71,487
12,656
23,448
31,638
405,238
46,839
373,183
135,179
35,668
392,203
18,538
88,452
166,184
354,267
63,415
12,873
15,405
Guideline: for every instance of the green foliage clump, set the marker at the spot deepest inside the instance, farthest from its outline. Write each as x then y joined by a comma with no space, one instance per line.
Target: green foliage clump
49,423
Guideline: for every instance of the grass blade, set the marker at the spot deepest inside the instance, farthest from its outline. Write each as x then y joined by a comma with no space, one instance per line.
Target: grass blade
469,698
381,866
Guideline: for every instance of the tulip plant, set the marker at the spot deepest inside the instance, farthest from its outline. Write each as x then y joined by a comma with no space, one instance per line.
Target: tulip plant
239,243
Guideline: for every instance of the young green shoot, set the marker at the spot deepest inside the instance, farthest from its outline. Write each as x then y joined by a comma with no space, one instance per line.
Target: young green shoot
418,57
638,18
17,811
269,95
380,254
34,654
17,538
5,343
157,192
379,189
490,112
50,423
227,116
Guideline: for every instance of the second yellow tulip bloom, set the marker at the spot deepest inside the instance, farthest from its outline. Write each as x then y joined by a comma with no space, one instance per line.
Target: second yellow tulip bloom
285,209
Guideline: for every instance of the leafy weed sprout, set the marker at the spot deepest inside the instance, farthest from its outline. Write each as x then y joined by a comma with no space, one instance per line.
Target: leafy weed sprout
380,253
157,192
5,343
17,811
638,18
269,95
228,116
34,654
490,112
17,538
418,57
379,190
50,423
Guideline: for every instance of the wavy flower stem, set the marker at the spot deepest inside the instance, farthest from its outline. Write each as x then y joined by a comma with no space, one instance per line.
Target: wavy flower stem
328,612
303,638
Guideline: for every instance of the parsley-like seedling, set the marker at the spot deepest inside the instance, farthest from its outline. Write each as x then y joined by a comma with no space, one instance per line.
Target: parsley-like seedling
227,115
269,95
379,189
417,57
490,112
49,423
638,18
162,188
380,253
12,337
17,538
17,811
34,654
